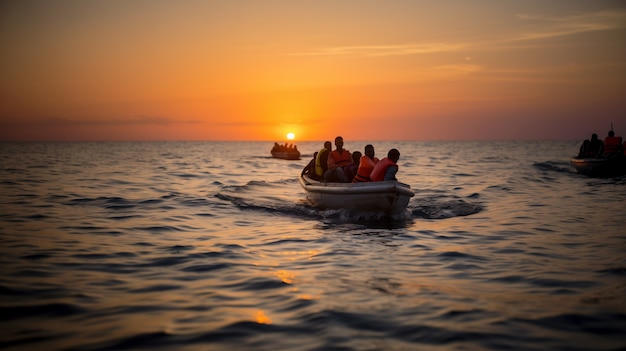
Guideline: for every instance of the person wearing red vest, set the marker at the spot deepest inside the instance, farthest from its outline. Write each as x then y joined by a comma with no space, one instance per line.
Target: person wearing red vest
366,165
612,144
337,161
387,168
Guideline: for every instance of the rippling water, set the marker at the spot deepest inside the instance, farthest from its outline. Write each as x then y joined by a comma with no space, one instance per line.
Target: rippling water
209,246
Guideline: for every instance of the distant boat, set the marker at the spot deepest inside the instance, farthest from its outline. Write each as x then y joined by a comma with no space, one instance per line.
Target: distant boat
600,167
389,197
601,159
285,152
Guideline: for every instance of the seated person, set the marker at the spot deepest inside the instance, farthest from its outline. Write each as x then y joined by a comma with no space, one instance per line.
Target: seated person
387,168
309,169
366,165
612,145
321,161
337,161
351,169
592,148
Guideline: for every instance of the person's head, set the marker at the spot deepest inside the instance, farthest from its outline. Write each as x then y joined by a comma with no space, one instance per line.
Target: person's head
594,136
369,150
328,145
356,157
339,142
393,155
611,133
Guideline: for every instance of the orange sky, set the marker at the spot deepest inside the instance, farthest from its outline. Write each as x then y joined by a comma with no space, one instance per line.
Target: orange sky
364,69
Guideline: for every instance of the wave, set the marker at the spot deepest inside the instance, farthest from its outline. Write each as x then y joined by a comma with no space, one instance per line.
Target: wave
555,166
278,198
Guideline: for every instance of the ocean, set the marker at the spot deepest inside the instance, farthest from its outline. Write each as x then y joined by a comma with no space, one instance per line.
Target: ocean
213,246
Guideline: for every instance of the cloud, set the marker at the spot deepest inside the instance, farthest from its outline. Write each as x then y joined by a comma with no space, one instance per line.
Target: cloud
552,27
543,27
67,122
383,50
241,124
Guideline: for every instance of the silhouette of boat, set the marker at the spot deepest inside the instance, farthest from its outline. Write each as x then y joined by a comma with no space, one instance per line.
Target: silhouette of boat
285,152
600,167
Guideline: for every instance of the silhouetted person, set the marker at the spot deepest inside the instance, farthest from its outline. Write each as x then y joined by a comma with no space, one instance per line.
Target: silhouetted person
338,159
612,144
591,148
352,168
366,165
321,161
309,169
387,168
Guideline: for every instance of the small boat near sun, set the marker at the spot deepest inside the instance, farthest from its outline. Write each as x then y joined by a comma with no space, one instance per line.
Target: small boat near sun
389,197
285,152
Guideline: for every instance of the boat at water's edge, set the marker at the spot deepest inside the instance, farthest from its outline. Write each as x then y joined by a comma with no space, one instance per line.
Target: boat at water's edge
600,167
287,155
389,197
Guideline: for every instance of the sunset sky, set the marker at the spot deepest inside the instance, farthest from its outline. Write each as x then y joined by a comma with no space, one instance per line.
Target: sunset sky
363,69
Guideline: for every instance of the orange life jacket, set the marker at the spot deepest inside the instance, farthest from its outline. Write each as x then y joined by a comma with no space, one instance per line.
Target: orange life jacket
611,145
366,166
378,173
339,160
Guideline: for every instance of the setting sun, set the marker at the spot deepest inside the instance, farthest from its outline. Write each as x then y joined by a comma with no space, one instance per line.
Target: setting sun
536,71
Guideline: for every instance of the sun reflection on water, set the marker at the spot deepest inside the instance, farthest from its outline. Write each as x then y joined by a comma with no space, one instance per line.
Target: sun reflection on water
261,318
286,277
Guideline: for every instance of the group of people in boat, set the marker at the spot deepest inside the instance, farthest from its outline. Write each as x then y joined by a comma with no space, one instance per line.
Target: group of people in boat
612,146
284,147
340,165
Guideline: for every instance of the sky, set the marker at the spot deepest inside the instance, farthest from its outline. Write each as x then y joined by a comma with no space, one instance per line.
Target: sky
257,70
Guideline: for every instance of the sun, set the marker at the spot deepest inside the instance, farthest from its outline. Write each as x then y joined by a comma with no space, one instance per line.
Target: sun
290,136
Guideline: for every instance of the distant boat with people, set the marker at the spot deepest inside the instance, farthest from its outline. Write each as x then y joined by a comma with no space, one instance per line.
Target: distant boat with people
597,158
388,197
285,151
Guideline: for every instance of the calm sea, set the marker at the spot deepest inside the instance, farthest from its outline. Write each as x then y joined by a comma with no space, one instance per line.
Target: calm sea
212,246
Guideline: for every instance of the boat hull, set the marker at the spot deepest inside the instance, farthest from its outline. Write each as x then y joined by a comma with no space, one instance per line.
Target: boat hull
293,155
600,167
389,197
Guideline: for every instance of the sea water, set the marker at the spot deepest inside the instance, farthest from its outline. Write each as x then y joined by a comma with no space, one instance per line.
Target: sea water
213,246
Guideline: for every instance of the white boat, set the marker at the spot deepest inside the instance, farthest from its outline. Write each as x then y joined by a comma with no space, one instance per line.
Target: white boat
389,197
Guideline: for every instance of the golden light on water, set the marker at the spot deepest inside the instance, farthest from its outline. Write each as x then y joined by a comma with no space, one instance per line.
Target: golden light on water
261,318
285,277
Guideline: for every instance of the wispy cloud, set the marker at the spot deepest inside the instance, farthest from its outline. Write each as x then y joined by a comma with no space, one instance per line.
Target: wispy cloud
383,50
551,27
66,122
543,27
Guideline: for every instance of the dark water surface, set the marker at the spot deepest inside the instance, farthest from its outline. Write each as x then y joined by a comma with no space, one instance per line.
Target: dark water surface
212,246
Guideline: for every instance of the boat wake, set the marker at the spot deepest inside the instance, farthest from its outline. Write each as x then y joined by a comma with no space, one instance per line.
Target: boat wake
442,206
270,197
284,197
555,166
